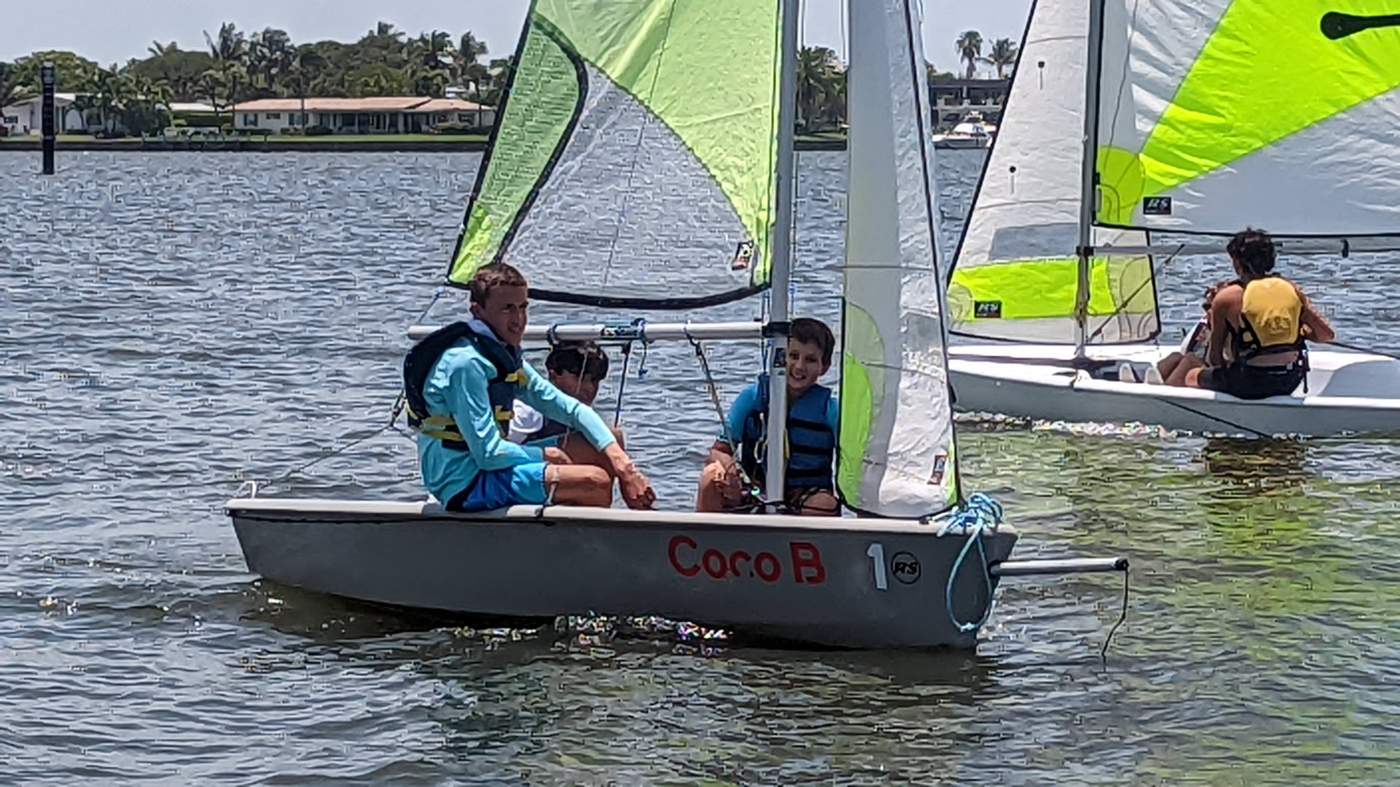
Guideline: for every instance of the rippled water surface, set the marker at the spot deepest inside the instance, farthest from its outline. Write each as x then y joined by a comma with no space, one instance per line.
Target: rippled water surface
172,324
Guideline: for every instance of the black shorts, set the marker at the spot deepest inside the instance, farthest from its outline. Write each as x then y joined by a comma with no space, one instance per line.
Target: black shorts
1253,382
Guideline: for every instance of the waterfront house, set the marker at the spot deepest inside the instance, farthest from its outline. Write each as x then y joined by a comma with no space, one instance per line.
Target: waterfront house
375,115
27,116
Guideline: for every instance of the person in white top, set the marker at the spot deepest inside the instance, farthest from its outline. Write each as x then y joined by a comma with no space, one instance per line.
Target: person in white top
578,369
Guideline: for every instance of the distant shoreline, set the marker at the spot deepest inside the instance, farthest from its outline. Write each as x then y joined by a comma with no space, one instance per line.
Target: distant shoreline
332,144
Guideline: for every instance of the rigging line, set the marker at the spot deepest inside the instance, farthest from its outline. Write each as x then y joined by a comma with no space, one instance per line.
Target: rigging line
713,390
398,407
1122,617
1134,294
394,412
1225,421
641,134
725,432
622,384
1361,349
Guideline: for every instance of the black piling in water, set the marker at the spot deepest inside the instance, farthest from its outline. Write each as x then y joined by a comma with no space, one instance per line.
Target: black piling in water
50,128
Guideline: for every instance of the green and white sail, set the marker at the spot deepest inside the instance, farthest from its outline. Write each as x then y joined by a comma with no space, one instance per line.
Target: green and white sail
1220,114
896,439
633,159
1016,273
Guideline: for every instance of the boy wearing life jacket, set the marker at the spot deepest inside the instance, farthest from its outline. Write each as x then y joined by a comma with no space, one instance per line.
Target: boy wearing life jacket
460,385
733,472
1262,320
577,369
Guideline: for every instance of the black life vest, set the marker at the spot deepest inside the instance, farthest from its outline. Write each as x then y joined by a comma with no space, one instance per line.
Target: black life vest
423,357
811,445
551,428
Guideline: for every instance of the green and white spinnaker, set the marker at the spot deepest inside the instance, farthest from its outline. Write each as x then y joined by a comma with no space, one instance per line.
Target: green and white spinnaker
1218,114
633,160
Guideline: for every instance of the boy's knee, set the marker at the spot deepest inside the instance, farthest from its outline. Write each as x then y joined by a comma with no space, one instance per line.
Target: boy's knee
598,479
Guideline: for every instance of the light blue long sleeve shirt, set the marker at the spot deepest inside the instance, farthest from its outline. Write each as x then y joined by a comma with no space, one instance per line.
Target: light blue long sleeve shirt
457,386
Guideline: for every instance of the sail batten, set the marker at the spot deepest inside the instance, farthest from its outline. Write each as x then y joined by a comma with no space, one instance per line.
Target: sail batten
616,178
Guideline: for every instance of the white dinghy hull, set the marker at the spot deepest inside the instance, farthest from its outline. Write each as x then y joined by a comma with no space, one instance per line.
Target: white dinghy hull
838,582
1348,393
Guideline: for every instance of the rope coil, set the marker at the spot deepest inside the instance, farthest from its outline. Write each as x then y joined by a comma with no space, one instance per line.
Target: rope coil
980,514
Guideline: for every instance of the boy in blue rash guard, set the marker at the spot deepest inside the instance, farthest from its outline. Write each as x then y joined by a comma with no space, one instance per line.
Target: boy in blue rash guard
462,404
812,419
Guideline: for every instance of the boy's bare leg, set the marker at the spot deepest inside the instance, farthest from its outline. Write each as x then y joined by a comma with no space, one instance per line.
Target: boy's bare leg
1181,375
581,452
819,503
1167,365
579,485
709,497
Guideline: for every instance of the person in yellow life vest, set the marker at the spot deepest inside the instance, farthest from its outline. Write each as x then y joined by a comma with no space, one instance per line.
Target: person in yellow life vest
1259,325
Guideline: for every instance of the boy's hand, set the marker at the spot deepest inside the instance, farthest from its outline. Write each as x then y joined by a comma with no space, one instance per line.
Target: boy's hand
556,456
636,489
733,479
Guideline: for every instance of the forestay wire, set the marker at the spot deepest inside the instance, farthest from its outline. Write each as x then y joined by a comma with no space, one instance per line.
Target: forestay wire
394,412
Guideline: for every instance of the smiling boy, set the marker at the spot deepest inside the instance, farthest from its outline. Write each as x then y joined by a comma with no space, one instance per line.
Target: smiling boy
461,398
812,418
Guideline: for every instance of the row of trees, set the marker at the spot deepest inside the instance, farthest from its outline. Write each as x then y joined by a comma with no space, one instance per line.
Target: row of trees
238,67
1001,55
821,77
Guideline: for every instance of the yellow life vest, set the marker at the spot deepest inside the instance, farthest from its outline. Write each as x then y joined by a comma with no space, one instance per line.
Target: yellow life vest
1272,316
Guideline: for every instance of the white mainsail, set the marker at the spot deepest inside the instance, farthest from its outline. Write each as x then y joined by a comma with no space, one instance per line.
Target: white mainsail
1016,271
897,442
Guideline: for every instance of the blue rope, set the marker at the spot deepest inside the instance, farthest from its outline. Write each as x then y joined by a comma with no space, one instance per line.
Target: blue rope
980,514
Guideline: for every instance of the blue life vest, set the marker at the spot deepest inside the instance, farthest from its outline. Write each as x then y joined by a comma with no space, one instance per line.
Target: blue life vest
423,357
811,445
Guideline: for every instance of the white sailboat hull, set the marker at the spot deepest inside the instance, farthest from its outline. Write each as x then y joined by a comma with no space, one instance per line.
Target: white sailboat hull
1348,393
838,582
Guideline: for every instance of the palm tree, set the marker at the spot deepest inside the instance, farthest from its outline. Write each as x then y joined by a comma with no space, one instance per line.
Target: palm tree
470,49
230,45
222,82
1002,56
157,49
12,89
114,94
969,48
498,73
817,71
386,30
305,59
432,63
269,56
